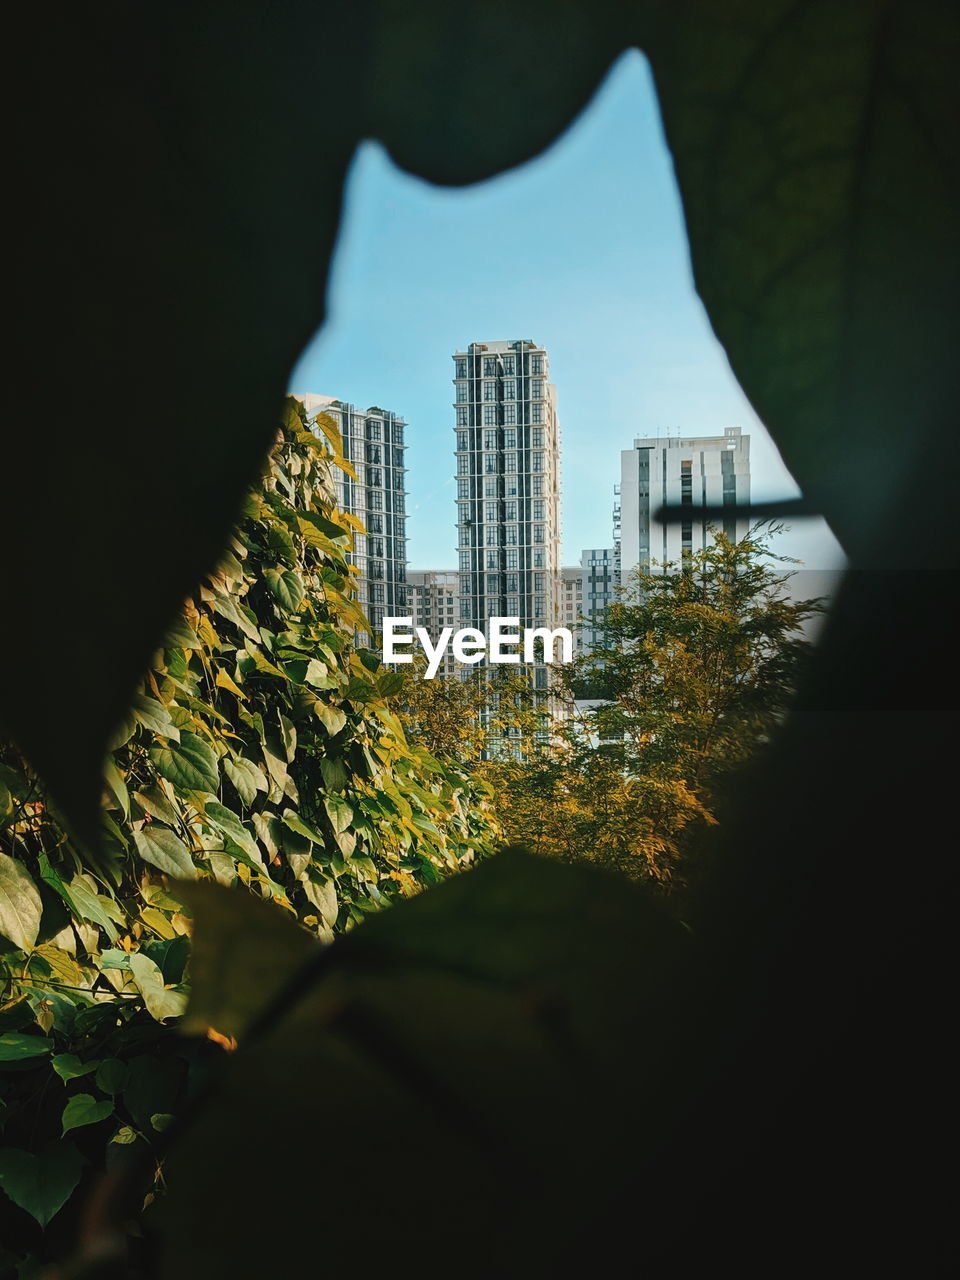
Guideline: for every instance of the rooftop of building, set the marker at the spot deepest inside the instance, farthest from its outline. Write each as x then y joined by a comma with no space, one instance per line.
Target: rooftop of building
731,436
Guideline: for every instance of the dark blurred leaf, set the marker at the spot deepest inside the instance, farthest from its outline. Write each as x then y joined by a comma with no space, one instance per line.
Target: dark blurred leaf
819,162
453,1033
244,951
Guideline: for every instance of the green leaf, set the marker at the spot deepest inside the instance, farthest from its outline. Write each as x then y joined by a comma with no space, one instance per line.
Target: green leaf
390,683
154,800
334,773
91,906
332,718
293,820
339,812
83,1109
15,1046
226,821
287,586
164,849
190,764
111,1075
69,1067
41,1183
247,779
117,787
323,895
154,716
181,635
161,1001
20,905
288,736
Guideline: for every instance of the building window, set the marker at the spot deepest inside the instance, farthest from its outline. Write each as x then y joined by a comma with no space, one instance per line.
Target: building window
510,439
536,412
493,560
490,439
509,462
538,462
461,368
539,606
398,433
373,429
538,579
492,535
536,390
463,438
463,464
537,486
490,487
509,413
510,390
489,367
511,535
489,414
536,364
463,488
513,582
490,463
513,558
493,584
538,533
374,477
538,558
463,416
511,511
490,512
538,510
509,367
538,437
489,391
463,391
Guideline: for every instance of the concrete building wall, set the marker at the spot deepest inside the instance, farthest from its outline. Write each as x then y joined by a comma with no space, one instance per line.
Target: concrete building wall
374,441
687,470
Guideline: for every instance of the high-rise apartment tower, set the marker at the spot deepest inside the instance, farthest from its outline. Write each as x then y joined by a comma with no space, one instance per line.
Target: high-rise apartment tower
373,440
508,486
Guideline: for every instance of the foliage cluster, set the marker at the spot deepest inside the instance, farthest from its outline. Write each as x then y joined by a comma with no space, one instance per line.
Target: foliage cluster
262,750
697,665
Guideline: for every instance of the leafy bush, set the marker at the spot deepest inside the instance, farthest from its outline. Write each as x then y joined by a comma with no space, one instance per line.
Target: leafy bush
262,750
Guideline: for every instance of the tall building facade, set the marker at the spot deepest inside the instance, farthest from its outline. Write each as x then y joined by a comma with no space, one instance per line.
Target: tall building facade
600,575
508,486
373,441
432,603
571,603
679,471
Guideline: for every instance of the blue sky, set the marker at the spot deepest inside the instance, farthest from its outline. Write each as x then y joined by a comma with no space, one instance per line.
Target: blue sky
582,250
